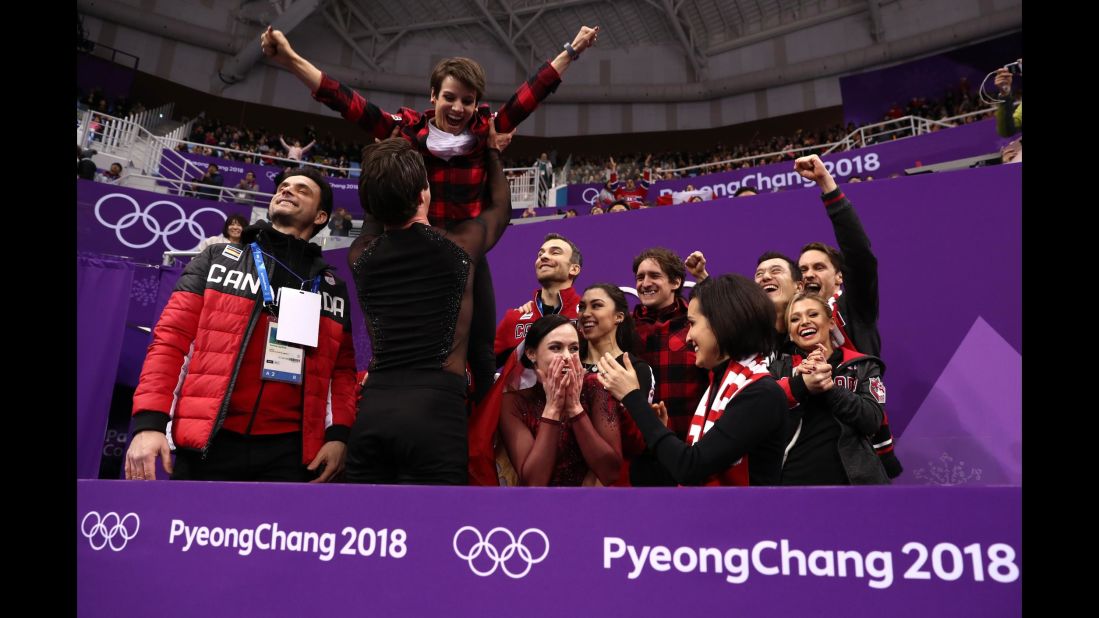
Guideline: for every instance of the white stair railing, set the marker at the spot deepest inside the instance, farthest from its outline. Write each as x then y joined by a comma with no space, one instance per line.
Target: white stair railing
524,186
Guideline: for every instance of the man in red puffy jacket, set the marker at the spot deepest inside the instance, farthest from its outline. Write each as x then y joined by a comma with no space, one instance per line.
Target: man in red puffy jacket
244,404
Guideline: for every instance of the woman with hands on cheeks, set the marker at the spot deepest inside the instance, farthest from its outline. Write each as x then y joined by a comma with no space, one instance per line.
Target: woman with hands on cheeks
565,425
738,430
837,396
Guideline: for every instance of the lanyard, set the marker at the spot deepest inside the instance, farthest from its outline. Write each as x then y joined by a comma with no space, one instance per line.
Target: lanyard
557,309
265,282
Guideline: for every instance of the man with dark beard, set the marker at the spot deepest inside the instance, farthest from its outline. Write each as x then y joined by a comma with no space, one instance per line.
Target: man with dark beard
847,278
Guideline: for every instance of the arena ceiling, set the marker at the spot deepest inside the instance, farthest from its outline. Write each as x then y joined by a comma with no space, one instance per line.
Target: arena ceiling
531,30
528,29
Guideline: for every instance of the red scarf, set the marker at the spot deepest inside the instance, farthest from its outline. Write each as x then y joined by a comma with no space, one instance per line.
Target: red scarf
485,419
839,335
738,375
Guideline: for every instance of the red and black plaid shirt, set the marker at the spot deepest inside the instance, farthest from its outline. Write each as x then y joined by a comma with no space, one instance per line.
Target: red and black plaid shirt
457,185
633,197
679,384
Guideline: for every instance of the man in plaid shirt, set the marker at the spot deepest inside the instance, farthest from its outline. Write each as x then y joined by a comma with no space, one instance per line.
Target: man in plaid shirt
661,319
451,137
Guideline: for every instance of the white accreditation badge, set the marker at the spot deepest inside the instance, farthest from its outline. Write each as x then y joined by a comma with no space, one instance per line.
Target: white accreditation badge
282,362
299,316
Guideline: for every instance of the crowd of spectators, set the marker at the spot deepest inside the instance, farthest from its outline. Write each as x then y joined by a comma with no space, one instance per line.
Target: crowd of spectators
954,102
218,139
212,137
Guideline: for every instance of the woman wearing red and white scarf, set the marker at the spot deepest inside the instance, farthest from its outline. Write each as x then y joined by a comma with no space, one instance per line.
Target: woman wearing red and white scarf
835,396
738,432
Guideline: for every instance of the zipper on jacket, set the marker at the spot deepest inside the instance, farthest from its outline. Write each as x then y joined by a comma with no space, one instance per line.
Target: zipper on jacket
255,408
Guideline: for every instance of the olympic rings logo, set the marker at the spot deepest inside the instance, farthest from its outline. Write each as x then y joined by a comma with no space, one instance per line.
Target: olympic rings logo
500,557
152,225
109,530
594,195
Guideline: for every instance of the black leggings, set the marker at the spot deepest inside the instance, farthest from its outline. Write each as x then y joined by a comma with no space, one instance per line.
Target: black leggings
482,332
411,429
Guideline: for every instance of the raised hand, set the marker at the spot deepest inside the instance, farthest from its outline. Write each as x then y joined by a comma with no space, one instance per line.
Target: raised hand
812,167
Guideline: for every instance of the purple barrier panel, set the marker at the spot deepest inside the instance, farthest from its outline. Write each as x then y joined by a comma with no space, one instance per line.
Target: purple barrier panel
292,550
931,234
345,191
143,225
166,277
102,294
143,312
879,161
967,430
585,193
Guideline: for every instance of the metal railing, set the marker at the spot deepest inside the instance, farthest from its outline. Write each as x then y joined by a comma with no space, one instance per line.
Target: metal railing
194,188
169,257
174,142
524,186
113,134
906,126
523,180
899,128
150,118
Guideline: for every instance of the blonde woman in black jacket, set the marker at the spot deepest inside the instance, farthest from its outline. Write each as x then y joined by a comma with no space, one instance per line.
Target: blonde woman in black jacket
836,397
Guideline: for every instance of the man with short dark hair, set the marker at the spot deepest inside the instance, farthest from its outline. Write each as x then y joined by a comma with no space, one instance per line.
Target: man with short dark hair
847,278
211,177
415,285
776,273
556,266
661,319
745,191
85,166
780,278
341,223
249,398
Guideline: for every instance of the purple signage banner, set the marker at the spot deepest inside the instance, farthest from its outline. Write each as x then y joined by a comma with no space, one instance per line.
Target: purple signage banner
925,229
102,294
112,79
867,96
583,193
878,161
345,191
284,549
142,225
